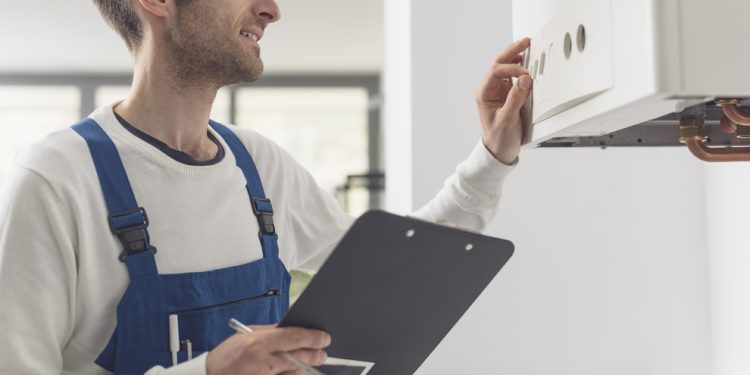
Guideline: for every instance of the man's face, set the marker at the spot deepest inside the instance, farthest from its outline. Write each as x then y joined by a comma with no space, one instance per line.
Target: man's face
214,41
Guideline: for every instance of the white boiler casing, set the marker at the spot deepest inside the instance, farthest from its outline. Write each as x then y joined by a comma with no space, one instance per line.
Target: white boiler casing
629,61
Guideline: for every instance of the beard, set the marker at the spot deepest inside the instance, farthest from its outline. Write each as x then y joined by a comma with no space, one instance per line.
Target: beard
202,52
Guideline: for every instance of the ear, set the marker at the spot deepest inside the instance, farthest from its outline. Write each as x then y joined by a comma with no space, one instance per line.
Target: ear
158,8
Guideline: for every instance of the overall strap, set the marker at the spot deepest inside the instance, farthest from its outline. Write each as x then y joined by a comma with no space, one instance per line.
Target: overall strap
261,205
126,219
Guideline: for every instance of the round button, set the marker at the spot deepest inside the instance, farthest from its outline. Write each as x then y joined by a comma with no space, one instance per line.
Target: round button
581,38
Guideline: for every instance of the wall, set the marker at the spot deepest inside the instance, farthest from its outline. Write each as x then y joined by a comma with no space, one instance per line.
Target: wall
609,275
729,260
610,271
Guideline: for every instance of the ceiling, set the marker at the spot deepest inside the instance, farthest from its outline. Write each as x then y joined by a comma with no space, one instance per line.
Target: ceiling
322,36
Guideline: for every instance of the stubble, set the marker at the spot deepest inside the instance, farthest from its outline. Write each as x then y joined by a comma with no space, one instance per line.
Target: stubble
203,51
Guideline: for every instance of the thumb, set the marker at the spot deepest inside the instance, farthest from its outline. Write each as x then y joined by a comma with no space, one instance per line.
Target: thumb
518,94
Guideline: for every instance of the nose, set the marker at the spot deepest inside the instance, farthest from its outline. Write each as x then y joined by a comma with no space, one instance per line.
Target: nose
268,9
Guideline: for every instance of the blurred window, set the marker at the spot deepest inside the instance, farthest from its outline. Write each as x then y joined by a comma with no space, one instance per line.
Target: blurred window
324,129
28,113
110,94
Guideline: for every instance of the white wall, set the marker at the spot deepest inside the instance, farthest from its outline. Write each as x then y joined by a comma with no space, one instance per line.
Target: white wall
727,212
610,271
609,275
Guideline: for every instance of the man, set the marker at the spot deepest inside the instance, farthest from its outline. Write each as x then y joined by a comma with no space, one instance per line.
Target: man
182,201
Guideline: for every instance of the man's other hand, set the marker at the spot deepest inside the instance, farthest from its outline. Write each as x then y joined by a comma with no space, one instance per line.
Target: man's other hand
500,101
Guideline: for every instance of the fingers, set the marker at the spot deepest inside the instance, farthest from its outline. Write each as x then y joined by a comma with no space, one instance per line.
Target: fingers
276,364
518,94
268,351
498,82
262,327
292,338
510,53
508,70
496,86
313,357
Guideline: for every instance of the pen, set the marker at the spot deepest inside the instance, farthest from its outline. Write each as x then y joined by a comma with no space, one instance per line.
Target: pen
188,345
174,337
241,328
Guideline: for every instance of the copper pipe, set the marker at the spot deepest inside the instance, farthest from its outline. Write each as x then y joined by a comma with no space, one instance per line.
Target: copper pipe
718,154
732,111
727,126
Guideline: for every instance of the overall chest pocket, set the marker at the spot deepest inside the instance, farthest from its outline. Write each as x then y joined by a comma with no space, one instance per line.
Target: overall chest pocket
207,326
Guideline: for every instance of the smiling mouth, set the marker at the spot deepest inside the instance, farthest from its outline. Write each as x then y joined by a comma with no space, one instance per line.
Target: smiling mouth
249,35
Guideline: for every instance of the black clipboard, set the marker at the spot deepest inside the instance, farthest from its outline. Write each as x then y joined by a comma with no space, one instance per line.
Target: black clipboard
393,288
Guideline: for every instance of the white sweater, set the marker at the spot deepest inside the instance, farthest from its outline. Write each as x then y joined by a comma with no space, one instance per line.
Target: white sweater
60,277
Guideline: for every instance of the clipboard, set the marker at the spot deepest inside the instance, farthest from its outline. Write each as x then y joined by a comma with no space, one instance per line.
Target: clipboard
392,289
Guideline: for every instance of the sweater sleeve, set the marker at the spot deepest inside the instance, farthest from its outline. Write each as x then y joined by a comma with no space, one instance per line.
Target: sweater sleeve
37,276
470,196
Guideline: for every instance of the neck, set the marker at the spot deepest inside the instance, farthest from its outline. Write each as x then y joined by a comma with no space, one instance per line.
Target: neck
171,111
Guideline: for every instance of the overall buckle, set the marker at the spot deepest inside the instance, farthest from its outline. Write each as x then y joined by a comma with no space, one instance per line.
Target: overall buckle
264,212
134,237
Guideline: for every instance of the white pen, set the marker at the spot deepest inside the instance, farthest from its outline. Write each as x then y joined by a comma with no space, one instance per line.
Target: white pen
174,337
241,328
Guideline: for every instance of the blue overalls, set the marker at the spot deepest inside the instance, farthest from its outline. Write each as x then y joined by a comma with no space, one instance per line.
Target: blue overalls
254,293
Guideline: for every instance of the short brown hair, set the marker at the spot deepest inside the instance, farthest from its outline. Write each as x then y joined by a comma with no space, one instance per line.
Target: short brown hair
121,16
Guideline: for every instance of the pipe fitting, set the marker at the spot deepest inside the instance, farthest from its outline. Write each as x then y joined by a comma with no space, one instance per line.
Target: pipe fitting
732,111
727,126
691,129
